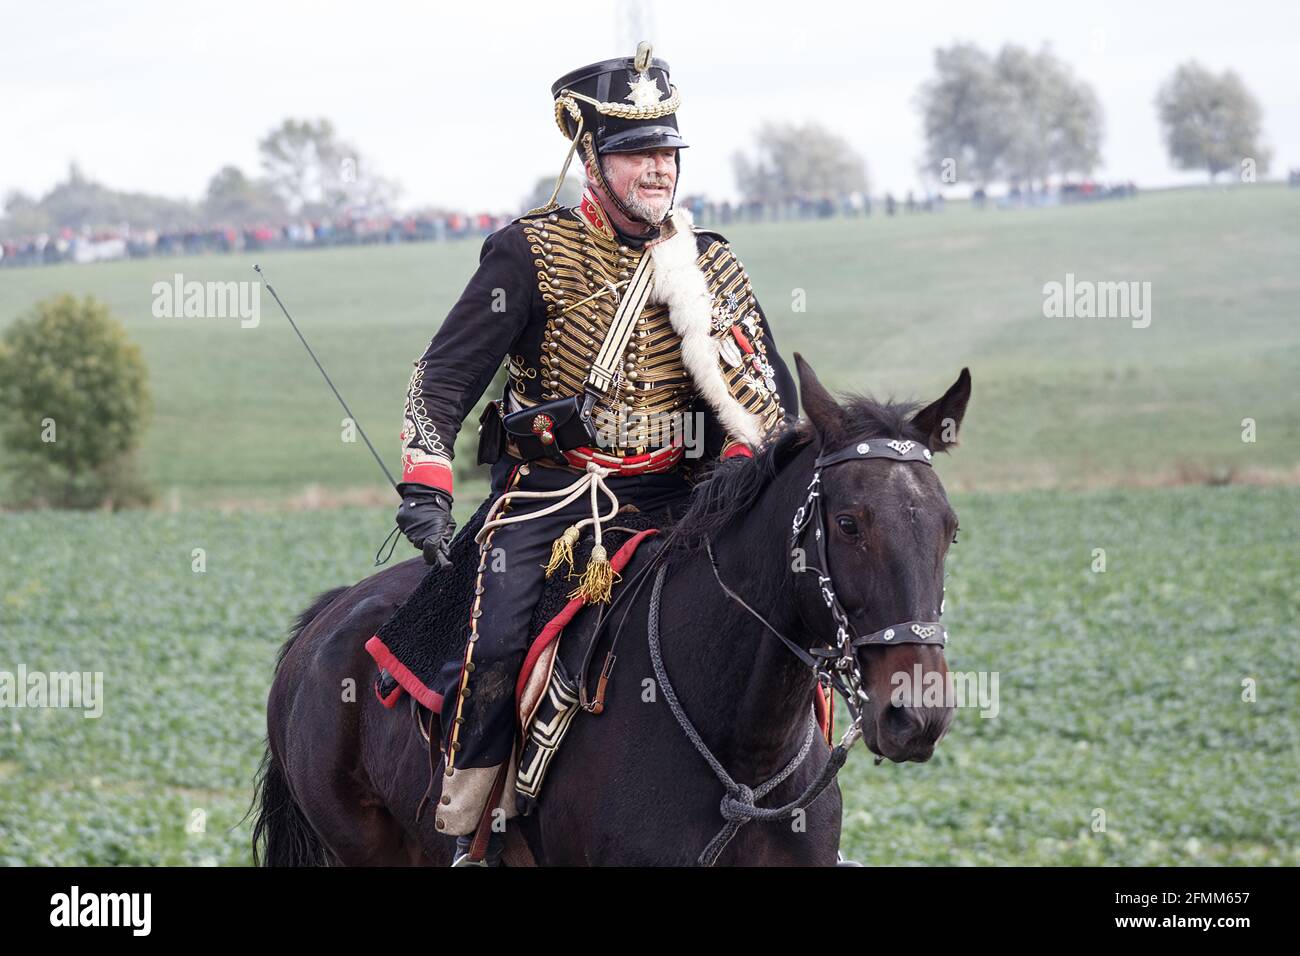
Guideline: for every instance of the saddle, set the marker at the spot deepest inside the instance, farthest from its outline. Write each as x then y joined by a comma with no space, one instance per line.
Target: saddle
432,627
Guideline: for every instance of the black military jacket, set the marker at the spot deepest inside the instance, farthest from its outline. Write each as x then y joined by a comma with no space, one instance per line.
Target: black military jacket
541,301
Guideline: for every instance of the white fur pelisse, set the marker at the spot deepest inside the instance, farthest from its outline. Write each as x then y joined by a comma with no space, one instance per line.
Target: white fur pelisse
679,284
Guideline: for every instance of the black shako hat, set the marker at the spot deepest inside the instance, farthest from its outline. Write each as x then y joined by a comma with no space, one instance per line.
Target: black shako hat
624,105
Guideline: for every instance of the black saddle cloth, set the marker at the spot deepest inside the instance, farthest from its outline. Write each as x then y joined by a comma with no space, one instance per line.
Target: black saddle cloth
432,627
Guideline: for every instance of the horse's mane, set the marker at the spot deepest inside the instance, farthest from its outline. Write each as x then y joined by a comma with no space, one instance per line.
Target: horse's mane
734,485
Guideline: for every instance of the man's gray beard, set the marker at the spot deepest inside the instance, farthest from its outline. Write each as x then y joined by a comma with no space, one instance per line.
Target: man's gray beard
654,214
642,210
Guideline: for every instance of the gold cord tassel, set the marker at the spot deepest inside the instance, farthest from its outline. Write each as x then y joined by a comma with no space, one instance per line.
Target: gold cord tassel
597,583
562,551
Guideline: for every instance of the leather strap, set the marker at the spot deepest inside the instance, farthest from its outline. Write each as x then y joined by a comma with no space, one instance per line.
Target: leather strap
909,632
483,832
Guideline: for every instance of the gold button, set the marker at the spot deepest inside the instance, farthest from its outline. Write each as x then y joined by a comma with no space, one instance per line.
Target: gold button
445,800
441,824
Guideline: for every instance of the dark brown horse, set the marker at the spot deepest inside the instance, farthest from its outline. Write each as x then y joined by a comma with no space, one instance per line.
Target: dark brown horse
343,777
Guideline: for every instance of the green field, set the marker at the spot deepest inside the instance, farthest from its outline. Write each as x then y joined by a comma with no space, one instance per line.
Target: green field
893,306
1119,691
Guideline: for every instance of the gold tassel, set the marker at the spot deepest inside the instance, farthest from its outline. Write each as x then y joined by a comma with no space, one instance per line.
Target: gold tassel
597,583
562,551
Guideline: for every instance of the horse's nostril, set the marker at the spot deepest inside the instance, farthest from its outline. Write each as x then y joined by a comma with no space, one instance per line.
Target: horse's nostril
899,718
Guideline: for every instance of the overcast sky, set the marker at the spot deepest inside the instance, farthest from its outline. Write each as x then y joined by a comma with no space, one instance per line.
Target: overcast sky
453,100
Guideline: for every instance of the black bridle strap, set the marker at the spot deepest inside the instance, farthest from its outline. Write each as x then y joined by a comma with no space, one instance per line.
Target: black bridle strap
835,665
793,647
896,448
909,632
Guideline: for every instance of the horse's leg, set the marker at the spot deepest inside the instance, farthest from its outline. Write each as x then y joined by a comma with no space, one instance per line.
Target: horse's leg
397,761
323,739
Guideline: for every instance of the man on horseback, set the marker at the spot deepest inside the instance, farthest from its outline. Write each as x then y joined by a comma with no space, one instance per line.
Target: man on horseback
624,326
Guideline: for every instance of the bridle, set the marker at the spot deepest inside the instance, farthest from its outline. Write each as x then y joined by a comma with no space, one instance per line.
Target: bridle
835,663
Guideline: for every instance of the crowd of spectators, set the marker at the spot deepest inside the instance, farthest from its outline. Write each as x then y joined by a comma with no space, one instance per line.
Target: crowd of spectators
97,245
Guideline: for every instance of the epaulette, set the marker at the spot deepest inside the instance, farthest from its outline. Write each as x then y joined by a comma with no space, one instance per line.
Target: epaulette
539,213
711,233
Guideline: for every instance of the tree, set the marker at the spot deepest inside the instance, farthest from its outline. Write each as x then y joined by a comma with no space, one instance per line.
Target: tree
570,192
81,203
1053,121
793,162
964,109
316,173
76,400
23,216
1019,117
234,199
1210,122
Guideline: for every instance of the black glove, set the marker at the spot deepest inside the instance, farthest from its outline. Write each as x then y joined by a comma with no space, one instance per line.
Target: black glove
425,518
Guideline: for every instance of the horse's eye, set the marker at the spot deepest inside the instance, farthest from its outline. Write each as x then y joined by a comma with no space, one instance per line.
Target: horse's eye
847,525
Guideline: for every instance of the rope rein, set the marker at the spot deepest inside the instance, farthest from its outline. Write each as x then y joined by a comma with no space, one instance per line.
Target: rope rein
739,803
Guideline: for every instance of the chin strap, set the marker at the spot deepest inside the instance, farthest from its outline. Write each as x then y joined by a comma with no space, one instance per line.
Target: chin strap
607,194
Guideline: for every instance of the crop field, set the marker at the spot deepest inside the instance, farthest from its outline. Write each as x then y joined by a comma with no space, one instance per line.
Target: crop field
1119,691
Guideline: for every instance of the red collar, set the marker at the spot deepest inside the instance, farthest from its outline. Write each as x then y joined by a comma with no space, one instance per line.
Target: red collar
592,213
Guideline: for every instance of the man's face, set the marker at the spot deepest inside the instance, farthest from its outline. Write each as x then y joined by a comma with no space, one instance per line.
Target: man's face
644,180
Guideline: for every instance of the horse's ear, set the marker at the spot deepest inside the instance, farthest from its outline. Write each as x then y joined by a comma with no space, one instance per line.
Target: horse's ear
939,421
823,411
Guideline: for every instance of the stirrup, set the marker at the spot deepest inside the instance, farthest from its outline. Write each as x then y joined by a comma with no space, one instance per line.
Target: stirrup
496,844
840,860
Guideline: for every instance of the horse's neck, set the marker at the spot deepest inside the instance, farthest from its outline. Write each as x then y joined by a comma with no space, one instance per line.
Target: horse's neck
756,694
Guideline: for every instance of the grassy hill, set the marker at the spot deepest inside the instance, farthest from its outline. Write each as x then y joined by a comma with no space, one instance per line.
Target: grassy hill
892,306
